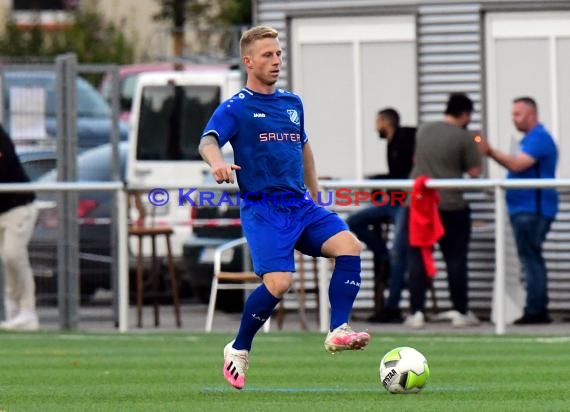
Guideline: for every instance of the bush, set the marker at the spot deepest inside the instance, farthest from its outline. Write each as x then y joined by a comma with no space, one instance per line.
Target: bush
89,36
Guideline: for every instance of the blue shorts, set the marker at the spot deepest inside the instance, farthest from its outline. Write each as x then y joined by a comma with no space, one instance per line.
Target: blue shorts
273,231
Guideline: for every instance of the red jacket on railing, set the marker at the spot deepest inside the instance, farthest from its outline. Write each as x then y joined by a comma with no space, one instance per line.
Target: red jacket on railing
425,225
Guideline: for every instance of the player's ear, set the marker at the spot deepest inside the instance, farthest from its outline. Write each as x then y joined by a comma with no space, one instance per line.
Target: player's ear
247,61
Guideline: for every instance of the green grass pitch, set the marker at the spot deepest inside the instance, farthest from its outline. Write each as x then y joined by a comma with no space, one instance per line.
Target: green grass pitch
83,372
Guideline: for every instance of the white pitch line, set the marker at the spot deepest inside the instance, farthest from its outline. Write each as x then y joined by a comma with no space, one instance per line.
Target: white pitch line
264,338
145,338
487,339
447,389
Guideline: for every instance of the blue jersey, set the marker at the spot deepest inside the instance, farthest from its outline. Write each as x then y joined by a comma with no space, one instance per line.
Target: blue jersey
267,134
539,145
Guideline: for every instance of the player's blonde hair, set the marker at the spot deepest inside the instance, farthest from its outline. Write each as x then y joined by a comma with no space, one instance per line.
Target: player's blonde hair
254,34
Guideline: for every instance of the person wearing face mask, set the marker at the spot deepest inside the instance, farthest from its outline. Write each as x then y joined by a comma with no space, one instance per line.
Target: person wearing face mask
401,143
446,150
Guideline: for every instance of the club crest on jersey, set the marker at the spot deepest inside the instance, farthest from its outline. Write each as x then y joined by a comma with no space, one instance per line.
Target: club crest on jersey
294,116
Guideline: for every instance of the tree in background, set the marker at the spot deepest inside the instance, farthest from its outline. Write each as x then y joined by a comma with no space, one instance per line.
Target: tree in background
178,12
88,35
236,12
200,27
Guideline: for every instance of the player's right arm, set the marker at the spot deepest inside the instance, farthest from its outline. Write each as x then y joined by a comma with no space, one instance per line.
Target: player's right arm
219,130
222,171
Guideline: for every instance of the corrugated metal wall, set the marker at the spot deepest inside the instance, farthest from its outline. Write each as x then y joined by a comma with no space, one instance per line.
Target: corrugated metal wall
449,58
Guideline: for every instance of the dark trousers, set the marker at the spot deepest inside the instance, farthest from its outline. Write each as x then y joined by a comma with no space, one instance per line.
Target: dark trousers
454,246
360,223
530,231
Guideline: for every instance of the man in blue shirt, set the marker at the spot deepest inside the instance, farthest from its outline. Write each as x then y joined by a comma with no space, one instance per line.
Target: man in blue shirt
531,211
275,167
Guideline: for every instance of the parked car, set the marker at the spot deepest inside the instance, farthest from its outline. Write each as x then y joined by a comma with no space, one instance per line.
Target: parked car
94,212
93,112
170,111
37,160
129,74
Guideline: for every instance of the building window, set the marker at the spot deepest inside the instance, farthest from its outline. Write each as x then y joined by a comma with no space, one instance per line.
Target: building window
18,5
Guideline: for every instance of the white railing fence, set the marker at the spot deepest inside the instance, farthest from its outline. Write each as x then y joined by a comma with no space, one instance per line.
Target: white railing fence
496,185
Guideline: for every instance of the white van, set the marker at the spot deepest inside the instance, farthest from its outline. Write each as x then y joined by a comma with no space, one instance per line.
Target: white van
169,113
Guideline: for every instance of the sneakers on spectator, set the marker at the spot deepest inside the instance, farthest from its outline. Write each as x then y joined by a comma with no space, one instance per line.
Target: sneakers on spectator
445,316
460,320
235,364
26,320
416,320
344,338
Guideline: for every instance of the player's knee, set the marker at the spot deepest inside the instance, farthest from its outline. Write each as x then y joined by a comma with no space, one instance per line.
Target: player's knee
278,283
353,246
343,243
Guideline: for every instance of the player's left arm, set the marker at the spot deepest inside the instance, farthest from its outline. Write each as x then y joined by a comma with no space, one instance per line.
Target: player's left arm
310,171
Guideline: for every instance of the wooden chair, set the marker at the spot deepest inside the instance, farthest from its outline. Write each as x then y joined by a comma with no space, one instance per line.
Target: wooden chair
142,232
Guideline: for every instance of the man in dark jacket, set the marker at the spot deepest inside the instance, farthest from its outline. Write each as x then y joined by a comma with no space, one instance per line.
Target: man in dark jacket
401,144
18,215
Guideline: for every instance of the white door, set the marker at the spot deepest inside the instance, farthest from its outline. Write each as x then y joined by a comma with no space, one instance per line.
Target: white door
346,69
528,54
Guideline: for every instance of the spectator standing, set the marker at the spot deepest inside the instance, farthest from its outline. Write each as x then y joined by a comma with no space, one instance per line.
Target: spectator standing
18,215
446,150
531,211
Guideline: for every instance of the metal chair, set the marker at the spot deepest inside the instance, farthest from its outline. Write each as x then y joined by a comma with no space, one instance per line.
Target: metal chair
245,280
248,280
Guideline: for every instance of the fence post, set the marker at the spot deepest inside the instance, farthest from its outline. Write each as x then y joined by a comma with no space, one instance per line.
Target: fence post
115,176
500,281
324,318
123,261
68,232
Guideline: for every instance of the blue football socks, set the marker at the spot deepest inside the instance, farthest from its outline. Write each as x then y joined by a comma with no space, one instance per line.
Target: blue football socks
343,288
256,311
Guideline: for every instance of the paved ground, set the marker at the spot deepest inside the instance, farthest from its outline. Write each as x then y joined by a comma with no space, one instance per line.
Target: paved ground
194,315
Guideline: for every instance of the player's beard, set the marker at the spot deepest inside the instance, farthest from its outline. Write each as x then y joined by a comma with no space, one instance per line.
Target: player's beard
266,80
269,81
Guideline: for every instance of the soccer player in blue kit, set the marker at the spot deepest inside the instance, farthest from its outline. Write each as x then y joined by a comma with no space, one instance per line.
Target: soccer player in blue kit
275,168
